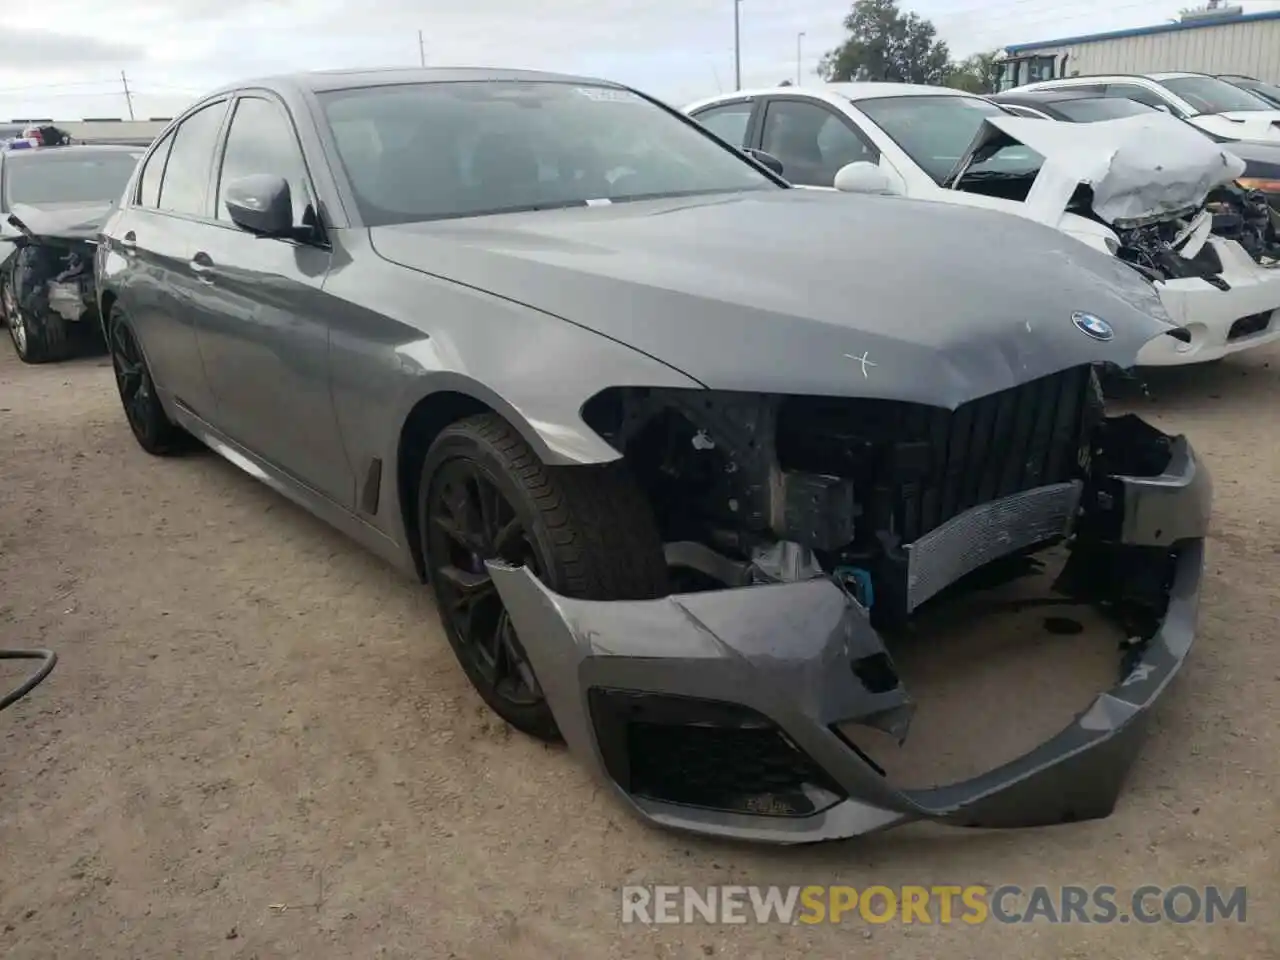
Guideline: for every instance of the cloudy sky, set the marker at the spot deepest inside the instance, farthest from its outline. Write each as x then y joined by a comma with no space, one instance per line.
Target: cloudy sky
63,58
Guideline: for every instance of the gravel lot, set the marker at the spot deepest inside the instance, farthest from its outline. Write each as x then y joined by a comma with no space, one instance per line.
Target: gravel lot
257,743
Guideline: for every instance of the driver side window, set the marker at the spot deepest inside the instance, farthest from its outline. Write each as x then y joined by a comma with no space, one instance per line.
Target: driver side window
261,140
812,142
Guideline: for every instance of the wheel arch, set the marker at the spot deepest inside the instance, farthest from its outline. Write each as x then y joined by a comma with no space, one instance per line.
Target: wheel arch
456,398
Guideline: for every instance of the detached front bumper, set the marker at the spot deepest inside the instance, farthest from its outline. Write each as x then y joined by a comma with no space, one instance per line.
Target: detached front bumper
719,712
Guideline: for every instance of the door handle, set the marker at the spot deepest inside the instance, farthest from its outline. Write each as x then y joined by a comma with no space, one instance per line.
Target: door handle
129,241
202,267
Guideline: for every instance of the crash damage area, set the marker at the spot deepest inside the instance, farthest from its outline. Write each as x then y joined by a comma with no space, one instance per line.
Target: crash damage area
48,282
804,536
1170,206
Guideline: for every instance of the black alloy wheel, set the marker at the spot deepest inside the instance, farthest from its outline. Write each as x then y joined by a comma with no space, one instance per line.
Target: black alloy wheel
469,521
151,426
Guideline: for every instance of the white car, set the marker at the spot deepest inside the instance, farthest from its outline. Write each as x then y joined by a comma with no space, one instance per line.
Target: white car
1211,103
1135,187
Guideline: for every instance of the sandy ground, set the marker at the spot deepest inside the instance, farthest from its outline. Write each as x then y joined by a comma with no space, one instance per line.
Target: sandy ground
257,743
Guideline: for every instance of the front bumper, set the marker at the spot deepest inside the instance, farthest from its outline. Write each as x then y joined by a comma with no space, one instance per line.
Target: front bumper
1220,322
803,659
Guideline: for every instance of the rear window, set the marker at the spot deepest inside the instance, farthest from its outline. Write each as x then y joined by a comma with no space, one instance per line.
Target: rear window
72,177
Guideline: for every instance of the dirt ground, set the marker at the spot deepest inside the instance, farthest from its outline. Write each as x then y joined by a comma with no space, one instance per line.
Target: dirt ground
257,743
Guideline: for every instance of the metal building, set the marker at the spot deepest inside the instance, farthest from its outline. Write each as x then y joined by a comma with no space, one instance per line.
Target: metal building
1220,41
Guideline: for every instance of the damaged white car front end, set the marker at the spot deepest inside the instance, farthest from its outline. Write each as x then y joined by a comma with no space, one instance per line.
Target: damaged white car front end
1161,197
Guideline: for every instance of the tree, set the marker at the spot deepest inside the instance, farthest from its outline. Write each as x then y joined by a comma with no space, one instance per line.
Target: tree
979,73
886,44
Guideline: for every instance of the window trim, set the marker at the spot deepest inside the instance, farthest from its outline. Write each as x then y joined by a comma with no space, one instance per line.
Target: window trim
220,155
163,142
753,112
767,102
202,217
1155,95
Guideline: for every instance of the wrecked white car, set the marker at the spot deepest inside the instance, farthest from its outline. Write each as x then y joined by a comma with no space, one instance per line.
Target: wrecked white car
1144,189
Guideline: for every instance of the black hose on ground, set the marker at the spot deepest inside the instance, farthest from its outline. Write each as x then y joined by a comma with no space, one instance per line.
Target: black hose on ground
48,657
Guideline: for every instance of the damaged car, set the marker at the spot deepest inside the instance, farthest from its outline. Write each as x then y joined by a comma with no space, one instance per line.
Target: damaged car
678,447
53,200
1240,198
1150,189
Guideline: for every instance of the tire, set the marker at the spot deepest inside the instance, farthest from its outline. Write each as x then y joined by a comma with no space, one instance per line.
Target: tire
36,339
151,426
586,532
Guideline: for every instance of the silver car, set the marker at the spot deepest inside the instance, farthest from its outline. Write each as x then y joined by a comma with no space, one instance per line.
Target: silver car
677,446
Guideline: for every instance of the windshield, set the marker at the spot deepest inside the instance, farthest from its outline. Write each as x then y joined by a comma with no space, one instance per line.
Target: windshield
73,177
1211,95
937,131
433,150
1092,109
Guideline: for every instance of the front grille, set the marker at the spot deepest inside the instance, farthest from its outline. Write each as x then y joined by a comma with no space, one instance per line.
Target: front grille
915,467
707,754
1250,326
1027,436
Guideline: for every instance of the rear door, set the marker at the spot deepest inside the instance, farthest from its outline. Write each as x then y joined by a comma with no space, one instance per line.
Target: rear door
154,236
262,326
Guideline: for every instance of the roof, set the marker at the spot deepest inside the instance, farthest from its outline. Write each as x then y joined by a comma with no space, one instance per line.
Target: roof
320,81
1054,95
1144,31
853,90
866,90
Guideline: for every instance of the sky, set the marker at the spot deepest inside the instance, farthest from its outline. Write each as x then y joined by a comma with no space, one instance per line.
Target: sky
63,59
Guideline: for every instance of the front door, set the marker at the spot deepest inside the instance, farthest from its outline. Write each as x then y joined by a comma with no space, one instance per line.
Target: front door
261,325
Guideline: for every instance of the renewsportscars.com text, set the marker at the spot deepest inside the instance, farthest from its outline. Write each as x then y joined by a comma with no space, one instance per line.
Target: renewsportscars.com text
938,904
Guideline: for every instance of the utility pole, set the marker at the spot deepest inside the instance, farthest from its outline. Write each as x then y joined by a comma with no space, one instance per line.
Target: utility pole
422,50
128,97
799,37
737,46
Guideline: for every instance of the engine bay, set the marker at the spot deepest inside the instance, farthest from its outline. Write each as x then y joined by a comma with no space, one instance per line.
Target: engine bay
885,497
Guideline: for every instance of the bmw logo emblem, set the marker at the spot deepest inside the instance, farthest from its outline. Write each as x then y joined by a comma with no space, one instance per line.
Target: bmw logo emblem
1092,326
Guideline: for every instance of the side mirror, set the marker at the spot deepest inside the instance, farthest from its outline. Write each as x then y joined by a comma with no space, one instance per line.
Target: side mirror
765,159
261,204
862,177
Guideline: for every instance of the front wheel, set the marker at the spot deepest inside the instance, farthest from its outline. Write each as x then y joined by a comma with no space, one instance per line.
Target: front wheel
586,532
36,339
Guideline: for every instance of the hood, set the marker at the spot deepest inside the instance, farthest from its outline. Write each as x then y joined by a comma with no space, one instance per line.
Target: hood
64,221
795,291
1140,168
1241,124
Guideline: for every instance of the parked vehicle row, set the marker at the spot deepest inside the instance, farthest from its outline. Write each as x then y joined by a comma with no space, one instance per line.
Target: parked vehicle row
679,447
1171,200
